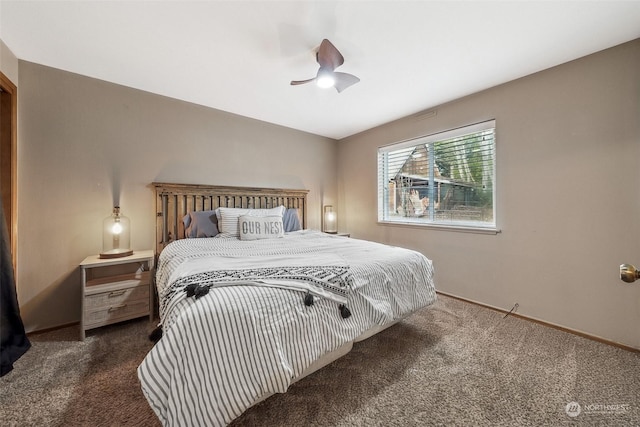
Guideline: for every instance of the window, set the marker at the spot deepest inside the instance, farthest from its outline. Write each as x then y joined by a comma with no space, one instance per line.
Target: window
446,179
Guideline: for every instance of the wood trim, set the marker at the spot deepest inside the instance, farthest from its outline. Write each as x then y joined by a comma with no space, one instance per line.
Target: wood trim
9,87
543,323
174,201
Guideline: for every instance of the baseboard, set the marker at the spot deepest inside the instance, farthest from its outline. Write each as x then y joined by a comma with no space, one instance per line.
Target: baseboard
54,328
544,323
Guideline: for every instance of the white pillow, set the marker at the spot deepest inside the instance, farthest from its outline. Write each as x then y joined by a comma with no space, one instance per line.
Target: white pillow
256,228
228,221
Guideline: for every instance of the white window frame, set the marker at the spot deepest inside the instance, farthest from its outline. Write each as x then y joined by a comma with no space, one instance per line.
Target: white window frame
431,221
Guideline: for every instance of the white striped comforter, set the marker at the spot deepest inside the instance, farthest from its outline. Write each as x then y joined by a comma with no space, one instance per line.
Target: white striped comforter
223,352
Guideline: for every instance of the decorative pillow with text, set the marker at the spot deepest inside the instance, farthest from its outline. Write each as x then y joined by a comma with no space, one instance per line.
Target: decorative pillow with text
228,219
256,227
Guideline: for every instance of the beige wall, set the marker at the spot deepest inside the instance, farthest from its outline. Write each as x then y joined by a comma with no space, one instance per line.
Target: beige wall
86,144
568,202
568,198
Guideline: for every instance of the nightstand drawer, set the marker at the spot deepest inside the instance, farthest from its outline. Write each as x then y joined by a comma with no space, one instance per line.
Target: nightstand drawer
117,297
115,313
104,284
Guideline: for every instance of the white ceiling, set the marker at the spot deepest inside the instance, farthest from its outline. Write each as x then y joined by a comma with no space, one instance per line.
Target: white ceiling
239,56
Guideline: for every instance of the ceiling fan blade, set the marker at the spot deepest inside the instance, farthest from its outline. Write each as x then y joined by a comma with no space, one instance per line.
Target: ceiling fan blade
301,82
328,56
344,80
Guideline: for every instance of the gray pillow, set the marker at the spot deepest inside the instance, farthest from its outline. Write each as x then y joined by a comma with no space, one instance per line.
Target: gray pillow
200,224
291,220
186,220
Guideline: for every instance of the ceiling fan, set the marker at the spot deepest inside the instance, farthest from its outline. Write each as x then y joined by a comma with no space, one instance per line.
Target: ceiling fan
329,59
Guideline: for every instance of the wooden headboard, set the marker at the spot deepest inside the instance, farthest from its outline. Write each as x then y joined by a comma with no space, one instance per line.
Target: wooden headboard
174,201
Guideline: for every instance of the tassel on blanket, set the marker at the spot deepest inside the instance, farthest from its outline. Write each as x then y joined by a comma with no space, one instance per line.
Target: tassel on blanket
308,299
191,289
156,334
201,291
344,311
196,290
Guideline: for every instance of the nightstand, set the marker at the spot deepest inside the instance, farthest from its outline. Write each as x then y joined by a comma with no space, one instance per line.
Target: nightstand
115,289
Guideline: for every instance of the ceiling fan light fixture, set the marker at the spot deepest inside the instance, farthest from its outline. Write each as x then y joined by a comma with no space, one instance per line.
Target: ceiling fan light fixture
329,59
325,79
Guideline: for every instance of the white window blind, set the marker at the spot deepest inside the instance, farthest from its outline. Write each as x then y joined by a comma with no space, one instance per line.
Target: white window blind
445,179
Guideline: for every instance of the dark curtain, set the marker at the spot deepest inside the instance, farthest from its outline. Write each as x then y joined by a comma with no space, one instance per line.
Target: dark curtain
14,342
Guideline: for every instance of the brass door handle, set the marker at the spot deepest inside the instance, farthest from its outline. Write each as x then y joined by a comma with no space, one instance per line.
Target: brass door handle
628,273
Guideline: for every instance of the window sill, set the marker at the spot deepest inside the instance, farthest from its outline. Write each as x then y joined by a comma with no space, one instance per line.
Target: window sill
444,227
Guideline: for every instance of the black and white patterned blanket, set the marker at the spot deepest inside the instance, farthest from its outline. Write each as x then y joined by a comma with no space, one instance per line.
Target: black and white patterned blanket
319,276
323,281
223,352
316,281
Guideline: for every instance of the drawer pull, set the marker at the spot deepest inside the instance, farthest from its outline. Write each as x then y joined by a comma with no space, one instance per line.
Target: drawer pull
116,308
117,293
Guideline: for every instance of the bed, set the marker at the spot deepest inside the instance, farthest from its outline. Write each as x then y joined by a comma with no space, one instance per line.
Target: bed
260,301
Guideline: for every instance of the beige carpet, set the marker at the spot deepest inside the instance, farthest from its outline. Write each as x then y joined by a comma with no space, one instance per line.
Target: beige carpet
451,364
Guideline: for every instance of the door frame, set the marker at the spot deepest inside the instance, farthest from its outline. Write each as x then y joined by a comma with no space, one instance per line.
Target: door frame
10,90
